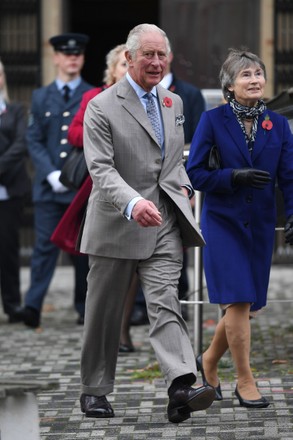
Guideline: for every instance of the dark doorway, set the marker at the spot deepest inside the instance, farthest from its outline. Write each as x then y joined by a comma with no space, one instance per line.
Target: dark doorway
107,22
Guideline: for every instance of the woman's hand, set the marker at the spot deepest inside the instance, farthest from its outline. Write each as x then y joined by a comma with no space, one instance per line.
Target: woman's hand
251,177
288,230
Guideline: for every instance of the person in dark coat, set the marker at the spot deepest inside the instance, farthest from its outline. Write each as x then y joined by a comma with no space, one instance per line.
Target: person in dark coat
192,97
52,110
14,187
238,218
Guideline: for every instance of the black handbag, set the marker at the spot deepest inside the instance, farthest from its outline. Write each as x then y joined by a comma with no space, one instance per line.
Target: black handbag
74,171
214,159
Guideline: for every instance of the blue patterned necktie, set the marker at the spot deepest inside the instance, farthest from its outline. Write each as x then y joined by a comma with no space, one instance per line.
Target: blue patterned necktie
153,116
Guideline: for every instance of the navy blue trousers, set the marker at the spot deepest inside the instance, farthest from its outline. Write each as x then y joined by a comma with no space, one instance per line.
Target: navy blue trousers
44,259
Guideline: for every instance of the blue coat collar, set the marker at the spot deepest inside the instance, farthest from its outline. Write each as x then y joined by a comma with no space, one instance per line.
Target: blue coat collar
262,135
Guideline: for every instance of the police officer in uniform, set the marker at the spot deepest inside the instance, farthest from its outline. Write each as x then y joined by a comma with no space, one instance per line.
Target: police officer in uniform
52,110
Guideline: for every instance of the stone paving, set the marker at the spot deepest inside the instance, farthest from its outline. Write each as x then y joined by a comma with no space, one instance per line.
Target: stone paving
52,353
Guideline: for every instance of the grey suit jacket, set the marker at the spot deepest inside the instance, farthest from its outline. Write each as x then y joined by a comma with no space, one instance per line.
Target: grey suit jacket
124,161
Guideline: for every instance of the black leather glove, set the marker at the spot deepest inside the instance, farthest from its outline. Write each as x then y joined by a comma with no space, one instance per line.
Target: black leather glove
251,177
289,230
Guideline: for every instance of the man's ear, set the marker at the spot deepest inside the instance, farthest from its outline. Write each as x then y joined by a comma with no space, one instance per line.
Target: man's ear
128,57
170,57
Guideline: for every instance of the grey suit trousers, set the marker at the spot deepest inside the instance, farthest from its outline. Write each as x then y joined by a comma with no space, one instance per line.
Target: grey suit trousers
108,283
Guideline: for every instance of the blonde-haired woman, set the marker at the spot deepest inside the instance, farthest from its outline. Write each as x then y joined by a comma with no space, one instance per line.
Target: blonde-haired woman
14,185
116,65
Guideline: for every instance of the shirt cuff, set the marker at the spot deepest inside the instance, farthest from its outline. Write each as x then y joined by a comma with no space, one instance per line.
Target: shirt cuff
190,190
129,207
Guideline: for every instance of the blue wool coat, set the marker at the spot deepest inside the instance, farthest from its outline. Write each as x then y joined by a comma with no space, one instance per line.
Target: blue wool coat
238,223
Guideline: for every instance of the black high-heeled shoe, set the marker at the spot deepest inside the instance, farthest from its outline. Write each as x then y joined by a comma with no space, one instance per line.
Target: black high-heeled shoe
217,389
126,348
258,403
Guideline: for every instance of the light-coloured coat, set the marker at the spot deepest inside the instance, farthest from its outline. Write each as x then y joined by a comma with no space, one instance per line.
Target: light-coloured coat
125,161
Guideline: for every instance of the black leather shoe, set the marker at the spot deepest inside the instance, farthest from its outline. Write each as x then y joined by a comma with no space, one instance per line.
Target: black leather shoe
258,403
94,406
186,400
199,366
31,317
15,315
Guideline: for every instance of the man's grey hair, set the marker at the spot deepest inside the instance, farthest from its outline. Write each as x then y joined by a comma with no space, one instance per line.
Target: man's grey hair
237,60
133,42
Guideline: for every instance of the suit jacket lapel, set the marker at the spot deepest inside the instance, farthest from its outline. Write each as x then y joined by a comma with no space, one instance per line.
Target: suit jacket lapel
133,105
167,116
262,137
76,97
54,94
235,131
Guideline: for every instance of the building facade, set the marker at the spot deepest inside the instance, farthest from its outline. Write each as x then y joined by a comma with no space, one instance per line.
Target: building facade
200,31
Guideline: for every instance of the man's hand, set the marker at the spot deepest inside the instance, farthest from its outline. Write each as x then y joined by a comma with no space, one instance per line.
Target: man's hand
146,214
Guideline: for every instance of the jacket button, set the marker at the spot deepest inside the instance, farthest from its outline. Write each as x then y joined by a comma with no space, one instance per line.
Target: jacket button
249,199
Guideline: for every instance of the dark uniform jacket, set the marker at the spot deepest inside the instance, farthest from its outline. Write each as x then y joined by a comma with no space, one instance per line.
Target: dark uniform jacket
193,105
49,120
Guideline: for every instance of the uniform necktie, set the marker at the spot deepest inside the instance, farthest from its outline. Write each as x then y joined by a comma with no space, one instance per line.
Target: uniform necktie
66,93
153,116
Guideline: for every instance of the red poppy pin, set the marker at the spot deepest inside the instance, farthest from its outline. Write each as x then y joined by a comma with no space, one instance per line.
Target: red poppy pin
267,123
167,102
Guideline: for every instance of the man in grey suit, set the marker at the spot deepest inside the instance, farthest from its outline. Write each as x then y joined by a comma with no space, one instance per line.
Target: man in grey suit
137,220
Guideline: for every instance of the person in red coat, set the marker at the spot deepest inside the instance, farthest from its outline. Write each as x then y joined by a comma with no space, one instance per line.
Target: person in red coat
66,233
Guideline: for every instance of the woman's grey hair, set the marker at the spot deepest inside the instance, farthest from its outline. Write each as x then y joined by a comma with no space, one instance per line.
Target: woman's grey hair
4,90
112,59
133,42
237,60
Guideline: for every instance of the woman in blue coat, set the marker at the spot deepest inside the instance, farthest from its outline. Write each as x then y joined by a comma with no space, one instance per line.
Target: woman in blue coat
238,220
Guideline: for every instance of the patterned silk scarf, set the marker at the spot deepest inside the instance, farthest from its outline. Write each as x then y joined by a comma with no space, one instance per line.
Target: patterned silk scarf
242,112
